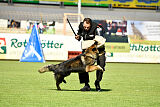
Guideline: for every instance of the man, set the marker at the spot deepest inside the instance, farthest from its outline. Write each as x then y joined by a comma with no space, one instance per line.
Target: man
88,30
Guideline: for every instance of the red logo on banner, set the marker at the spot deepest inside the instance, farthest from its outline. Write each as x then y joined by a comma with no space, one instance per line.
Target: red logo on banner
2,46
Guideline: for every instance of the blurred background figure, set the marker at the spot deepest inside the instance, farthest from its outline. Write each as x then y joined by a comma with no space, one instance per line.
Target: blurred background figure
10,2
9,23
41,27
28,25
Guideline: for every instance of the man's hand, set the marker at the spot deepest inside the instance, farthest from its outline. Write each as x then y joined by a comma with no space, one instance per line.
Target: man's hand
77,37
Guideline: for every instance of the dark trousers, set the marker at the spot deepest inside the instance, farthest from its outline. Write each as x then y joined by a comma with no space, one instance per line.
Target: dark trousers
84,77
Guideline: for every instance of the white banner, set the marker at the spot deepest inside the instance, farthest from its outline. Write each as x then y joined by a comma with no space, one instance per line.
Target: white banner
143,30
55,47
139,53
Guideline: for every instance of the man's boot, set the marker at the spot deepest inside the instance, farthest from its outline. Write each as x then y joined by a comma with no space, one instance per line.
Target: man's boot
97,85
86,87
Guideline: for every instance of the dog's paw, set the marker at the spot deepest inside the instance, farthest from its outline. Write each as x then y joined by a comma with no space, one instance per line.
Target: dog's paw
59,89
64,81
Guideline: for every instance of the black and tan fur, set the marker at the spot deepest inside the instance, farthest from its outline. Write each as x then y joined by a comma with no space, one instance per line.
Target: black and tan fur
82,63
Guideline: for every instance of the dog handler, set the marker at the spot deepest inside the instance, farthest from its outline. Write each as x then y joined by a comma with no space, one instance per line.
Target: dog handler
88,30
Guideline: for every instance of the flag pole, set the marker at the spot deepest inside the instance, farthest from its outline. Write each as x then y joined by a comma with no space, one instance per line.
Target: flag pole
79,10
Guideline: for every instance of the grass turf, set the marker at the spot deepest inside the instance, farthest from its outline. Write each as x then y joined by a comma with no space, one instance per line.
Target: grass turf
123,85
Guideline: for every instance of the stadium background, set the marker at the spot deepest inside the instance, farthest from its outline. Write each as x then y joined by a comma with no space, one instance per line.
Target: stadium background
52,16
99,3
123,85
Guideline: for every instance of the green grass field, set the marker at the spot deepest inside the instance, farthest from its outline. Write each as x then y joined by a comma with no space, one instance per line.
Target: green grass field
123,85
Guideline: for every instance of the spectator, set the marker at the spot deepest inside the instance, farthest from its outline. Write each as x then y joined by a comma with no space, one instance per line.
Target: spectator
41,27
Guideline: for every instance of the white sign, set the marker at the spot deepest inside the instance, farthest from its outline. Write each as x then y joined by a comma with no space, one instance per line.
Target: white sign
55,47
138,53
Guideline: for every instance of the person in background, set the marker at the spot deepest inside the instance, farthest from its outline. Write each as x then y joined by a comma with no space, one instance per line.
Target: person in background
28,25
9,23
41,27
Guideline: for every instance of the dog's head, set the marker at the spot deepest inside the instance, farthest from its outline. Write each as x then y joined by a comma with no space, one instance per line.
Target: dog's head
92,49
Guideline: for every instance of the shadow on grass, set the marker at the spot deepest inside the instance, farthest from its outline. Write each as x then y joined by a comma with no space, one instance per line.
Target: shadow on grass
92,90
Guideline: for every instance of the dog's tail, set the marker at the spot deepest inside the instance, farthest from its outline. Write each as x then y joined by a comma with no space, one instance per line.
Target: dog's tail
50,68
47,68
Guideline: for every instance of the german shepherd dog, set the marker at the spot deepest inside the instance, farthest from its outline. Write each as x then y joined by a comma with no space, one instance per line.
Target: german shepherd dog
82,63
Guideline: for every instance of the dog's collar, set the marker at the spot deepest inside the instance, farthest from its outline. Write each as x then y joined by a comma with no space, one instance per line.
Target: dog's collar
83,59
89,56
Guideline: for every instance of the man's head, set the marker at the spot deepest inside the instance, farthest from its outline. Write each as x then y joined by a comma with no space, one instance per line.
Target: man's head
87,23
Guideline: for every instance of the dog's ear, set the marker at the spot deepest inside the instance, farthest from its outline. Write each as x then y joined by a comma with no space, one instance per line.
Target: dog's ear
49,67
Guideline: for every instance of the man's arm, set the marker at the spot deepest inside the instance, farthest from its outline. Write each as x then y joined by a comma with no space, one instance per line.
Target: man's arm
78,36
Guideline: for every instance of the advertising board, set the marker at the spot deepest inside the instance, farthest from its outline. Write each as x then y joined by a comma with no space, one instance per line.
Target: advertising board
55,47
